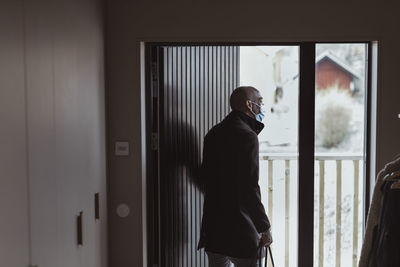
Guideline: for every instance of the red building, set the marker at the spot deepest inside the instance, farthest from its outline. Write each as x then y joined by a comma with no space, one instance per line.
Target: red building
331,71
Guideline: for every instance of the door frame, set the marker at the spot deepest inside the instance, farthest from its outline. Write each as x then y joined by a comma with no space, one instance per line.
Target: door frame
306,136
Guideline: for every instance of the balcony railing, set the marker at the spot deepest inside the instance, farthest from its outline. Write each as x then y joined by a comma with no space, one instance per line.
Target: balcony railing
320,163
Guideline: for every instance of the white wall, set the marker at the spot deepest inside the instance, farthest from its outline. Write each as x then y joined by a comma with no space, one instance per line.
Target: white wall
53,133
129,22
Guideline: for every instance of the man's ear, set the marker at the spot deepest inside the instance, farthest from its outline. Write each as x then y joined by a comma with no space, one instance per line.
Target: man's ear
248,104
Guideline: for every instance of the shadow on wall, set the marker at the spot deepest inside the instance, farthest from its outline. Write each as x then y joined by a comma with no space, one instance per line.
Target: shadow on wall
181,193
181,156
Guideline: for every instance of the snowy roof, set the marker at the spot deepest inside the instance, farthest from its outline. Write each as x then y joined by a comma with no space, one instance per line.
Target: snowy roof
338,61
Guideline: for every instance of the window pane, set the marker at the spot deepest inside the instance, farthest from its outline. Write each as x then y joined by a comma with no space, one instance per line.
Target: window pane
339,153
274,71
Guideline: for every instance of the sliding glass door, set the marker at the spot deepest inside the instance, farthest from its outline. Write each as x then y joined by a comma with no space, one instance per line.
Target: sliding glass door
312,149
340,157
274,71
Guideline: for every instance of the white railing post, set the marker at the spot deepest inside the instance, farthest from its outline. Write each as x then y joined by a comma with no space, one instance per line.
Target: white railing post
355,216
321,213
270,188
338,210
287,210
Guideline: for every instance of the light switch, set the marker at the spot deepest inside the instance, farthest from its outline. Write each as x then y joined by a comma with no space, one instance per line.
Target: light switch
121,148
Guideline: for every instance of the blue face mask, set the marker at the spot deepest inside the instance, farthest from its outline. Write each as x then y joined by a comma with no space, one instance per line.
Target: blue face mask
260,116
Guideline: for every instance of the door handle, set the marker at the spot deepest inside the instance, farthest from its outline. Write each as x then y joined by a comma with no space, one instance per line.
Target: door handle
97,206
79,228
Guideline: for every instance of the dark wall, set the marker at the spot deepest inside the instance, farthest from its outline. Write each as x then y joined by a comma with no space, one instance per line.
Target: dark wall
129,22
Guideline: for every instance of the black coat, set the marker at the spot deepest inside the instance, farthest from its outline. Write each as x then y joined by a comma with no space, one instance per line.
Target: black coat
233,215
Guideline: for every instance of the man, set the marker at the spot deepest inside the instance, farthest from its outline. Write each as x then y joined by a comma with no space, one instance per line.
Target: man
234,222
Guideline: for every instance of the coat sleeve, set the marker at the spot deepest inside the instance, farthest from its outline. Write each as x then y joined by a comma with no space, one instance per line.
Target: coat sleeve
249,188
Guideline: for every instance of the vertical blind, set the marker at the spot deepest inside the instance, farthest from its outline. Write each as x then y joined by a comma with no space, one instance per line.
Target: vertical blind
194,96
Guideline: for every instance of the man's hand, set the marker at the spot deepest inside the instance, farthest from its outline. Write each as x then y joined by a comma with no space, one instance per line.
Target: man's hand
266,238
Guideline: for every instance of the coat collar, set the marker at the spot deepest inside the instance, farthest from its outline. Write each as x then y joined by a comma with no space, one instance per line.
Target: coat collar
254,124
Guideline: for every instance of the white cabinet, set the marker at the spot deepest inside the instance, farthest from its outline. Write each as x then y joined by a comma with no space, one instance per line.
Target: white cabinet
52,134
14,212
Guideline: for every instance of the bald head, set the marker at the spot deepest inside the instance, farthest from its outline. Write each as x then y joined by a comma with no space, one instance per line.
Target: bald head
240,96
